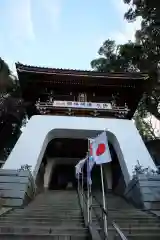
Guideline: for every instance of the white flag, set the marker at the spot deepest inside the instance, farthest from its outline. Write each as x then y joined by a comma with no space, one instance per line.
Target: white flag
101,152
79,167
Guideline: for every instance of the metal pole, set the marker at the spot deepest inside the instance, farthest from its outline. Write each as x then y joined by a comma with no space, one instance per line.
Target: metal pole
78,184
82,191
89,187
88,193
104,204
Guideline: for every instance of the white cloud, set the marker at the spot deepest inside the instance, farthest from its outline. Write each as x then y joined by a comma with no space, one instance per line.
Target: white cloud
24,17
19,19
52,9
128,32
129,29
18,27
16,30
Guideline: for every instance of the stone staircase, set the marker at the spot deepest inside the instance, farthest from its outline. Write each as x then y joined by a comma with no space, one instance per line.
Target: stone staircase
57,215
134,223
52,215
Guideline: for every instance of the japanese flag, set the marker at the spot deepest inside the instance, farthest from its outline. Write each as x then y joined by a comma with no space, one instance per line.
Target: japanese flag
100,149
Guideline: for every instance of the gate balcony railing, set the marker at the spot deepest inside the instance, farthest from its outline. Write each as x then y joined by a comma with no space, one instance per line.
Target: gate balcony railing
81,106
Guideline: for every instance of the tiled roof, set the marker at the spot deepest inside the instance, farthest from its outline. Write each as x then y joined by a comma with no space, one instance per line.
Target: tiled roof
45,70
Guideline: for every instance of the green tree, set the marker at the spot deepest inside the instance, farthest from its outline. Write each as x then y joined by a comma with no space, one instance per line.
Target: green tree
118,58
11,110
148,37
128,57
143,55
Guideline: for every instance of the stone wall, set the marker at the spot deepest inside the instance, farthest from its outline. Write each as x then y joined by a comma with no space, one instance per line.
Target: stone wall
16,188
144,192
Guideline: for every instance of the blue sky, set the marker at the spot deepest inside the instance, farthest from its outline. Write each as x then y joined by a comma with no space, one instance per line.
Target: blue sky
60,33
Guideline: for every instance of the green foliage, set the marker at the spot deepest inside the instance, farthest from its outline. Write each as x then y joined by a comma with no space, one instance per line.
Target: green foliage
25,167
118,58
127,58
145,128
11,110
148,38
6,81
139,169
142,55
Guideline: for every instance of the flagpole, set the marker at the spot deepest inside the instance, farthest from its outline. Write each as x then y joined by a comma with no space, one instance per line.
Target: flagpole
90,185
104,203
78,184
88,191
82,191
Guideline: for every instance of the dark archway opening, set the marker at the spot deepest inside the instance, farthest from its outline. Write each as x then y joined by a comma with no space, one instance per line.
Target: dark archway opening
67,148
64,173
69,152
63,177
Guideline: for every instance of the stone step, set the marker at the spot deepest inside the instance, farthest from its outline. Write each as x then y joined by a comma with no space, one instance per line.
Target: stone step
53,208
26,219
41,230
39,237
120,214
58,219
42,224
53,216
63,215
131,218
72,213
125,215
137,225
43,221
60,198
54,200
52,211
42,215
130,222
137,230
123,210
140,236
65,206
57,196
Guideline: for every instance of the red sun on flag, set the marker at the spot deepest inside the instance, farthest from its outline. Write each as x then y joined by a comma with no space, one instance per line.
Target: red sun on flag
100,149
